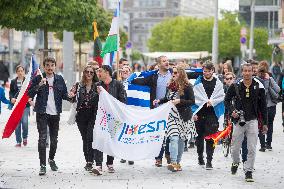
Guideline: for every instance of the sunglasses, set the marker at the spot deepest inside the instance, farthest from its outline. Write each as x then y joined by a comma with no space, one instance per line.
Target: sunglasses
247,92
228,78
89,72
175,73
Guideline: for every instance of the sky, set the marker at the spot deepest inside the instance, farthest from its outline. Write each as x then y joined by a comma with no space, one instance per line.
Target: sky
230,5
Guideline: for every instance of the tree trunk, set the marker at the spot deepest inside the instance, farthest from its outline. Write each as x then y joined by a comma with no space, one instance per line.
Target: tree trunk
80,61
45,38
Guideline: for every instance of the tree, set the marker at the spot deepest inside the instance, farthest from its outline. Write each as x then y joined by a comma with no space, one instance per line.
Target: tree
49,15
190,34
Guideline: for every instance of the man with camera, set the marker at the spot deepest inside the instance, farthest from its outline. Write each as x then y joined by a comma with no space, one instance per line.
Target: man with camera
249,109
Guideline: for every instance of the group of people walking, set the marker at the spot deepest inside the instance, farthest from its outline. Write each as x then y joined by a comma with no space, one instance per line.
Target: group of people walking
249,102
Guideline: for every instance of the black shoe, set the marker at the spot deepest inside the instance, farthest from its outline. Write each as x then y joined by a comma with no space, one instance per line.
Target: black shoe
52,164
130,162
249,176
209,165
201,161
122,161
185,149
168,158
42,170
268,147
234,168
88,167
191,145
262,149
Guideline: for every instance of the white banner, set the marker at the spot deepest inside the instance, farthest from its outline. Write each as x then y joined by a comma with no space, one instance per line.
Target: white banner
129,132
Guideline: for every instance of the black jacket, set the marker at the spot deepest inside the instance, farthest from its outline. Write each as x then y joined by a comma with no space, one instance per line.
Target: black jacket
281,88
94,97
14,90
186,100
4,72
116,89
60,93
259,99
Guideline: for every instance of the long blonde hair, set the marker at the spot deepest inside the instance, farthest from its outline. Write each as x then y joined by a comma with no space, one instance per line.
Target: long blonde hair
182,80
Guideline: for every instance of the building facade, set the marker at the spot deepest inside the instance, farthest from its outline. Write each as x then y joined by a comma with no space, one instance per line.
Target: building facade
140,16
262,18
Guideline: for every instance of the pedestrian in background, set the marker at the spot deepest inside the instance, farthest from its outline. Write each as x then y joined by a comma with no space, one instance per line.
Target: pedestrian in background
272,90
3,97
4,73
22,129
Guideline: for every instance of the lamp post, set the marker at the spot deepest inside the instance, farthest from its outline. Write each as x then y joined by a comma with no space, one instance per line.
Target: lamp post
251,40
215,36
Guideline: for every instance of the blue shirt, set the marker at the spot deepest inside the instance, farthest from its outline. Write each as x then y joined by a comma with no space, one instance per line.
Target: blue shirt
3,98
162,84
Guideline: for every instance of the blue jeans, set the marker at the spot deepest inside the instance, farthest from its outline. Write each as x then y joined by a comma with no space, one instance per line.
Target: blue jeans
176,149
23,126
164,148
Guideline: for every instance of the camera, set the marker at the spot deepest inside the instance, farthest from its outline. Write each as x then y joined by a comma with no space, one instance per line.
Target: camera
242,120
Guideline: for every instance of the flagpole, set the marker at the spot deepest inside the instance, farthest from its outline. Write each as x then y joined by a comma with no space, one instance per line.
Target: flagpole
118,45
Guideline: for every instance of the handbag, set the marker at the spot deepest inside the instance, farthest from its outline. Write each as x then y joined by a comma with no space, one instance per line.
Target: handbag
275,97
72,112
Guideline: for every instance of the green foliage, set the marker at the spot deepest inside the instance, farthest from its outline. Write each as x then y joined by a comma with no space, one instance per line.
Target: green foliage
263,50
190,34
55,16
135,55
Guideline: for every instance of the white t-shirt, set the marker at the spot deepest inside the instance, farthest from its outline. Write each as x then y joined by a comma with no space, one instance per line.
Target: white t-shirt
51,108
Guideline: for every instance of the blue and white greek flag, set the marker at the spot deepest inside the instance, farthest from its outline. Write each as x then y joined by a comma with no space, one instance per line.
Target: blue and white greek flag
138,95
217,99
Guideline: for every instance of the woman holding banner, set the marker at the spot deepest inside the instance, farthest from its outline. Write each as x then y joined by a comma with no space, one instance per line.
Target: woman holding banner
86,96
180,126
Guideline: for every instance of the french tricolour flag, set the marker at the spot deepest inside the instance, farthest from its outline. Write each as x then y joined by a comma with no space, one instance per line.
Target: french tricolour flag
138,95
22,100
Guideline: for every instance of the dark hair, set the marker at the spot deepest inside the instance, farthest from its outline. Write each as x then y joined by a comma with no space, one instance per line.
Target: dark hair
263,66
49,59
20,66
246,65
208,65
107,68
252,62
122,60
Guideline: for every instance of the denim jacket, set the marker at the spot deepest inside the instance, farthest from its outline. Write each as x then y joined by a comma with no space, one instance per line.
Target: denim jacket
60,93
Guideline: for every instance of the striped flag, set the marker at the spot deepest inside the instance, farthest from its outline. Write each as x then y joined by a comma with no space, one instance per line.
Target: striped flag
138,95
112,42
97,45
22,100
217,99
